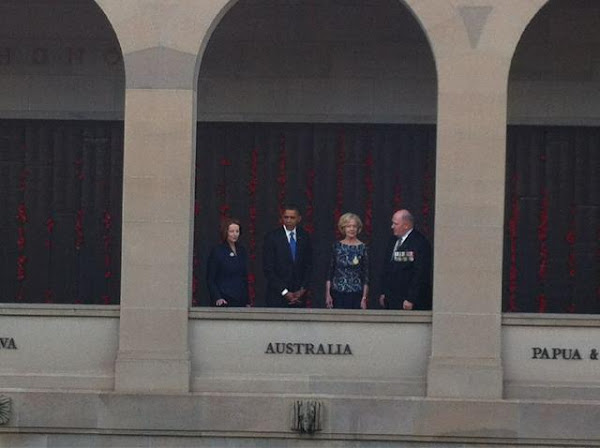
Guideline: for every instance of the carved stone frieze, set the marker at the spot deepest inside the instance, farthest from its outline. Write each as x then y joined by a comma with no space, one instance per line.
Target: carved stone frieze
306,416
5,409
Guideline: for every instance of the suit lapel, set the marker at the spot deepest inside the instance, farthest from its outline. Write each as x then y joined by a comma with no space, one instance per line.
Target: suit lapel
407,240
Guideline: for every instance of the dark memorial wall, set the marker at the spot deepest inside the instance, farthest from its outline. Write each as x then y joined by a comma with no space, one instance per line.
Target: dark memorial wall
60,211
61,190
551,247
249,170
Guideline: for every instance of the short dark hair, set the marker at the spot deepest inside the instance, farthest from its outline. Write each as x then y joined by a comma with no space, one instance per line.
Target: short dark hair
291,206
224,228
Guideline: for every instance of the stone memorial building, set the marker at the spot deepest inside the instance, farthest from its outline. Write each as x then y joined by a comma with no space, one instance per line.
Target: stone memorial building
129,128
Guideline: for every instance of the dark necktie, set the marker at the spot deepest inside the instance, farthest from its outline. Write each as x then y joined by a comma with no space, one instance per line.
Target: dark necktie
293,245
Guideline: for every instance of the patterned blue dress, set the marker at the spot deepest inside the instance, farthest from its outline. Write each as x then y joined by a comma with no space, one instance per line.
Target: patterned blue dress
348,274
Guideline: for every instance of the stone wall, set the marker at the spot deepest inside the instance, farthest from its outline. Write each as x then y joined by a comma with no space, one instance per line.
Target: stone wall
332,62
470,365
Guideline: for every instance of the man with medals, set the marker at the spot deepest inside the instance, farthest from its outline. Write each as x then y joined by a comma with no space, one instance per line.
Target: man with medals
406,272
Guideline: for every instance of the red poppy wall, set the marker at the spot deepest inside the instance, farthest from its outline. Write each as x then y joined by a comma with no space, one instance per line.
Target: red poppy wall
250,170
552,250
61,189
60,211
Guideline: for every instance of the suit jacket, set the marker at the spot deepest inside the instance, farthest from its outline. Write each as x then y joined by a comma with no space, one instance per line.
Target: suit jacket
281,271
227,275
406,272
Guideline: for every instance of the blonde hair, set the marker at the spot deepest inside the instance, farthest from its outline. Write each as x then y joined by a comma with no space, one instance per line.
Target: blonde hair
345,220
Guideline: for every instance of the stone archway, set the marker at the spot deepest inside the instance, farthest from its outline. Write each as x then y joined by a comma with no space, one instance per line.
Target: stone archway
317,63
61,132
552,210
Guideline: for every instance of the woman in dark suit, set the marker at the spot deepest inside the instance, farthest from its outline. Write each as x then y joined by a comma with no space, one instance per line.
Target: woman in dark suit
227,272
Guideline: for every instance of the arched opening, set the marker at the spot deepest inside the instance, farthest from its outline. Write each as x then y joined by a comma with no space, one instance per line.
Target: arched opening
327,104
551,256
61,153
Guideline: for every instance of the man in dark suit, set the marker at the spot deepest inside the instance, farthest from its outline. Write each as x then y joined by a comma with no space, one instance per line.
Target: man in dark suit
287,261
406,273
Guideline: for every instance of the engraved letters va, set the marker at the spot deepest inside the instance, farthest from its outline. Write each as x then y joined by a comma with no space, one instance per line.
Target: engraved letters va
7,344
566,354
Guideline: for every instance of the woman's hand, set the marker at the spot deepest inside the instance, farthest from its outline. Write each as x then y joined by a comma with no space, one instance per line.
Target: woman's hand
363,303
329,301
221,302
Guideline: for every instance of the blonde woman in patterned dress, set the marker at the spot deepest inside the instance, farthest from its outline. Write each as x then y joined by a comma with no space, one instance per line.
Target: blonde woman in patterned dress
347,283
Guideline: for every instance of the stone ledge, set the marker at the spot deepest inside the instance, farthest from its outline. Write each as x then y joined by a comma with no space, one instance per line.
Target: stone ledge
316,315
266,416
176,439
40,309
311,315
550,320
260,314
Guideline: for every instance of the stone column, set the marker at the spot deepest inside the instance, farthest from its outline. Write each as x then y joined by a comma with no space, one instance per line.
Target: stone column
158,187
473,70
157,237
160,43
465,354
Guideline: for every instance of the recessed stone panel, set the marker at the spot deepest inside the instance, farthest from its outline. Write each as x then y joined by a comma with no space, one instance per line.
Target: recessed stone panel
304,354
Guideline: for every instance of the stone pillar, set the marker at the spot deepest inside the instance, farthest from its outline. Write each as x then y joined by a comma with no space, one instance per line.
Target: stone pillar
473,70
157,240
158,186
465,354
161,43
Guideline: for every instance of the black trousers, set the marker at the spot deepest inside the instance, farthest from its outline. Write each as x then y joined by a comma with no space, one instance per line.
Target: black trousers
346,300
